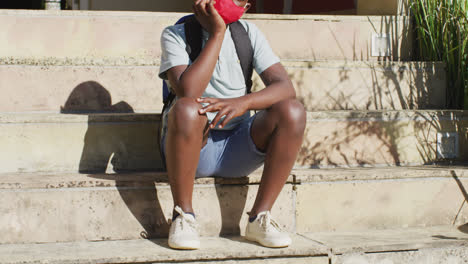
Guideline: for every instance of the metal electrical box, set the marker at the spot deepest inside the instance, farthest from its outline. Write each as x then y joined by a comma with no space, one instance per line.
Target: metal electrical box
381,45
447,145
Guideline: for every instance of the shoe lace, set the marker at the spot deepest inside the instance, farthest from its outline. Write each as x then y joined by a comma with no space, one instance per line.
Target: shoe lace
186,223
267,223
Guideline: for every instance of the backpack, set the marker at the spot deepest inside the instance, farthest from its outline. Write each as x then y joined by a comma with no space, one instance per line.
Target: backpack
193,35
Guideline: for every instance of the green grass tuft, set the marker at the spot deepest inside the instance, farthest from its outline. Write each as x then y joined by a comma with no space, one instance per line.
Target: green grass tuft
442,35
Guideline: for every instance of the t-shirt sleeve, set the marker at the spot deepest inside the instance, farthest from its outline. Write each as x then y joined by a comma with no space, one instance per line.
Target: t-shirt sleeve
264,57
173,49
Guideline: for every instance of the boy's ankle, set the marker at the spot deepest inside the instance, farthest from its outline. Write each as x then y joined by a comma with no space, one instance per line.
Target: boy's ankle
252,218
175,214
253,214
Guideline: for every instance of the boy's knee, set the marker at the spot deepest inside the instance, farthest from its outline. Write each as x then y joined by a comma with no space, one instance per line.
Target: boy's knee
292,113
184,115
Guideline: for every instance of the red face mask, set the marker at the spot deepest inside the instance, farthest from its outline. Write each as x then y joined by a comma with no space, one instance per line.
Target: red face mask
229,11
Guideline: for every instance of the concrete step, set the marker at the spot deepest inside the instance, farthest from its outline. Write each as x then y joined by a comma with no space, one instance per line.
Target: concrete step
433,245
51,142
128,35
48,208
437,245
133,85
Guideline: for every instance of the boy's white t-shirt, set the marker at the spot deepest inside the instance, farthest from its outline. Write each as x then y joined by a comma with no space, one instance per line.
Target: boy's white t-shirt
227,80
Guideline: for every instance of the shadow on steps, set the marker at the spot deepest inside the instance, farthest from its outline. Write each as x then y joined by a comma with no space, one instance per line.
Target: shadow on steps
122,146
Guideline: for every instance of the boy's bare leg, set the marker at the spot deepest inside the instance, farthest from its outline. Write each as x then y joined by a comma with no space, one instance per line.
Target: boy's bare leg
183,144
279,132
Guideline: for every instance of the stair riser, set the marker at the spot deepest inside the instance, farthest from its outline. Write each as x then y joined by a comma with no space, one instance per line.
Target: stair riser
375,143
440,255
61,143
320,86
49,88
59,147
98,213
296,260
361,205
368,86
137,35
109,213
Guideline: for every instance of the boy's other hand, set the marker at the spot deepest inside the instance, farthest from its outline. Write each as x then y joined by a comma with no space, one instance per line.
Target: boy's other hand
208,16
230,108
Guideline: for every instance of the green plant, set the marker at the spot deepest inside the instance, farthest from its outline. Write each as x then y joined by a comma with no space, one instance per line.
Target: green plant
442,35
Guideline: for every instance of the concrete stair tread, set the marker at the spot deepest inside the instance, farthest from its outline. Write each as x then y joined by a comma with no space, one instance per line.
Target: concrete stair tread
149,251
392,239
317,246
78,180
322,115
378,173
298,176
148,62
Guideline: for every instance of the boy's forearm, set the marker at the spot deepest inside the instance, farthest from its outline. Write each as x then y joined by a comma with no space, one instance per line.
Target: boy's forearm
273,93
195,79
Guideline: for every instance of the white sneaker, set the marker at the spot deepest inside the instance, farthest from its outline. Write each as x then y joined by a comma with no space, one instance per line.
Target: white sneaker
267,232
183,233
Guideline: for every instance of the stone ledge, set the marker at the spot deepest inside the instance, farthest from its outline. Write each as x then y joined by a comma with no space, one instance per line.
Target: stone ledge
318,247
134,179
310,176
312,116
122,61
13,181
148,251
402,239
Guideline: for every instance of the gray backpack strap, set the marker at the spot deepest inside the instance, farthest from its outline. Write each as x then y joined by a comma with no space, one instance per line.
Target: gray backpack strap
244,51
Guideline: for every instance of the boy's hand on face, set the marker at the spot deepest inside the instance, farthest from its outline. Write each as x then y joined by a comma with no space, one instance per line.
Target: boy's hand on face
230,108
209,17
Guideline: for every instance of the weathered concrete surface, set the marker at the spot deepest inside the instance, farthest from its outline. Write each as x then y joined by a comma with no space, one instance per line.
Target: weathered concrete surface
151,251
448,255
358,138
360,205
291,260
129,142
76,207
80,88
54,143
435,245
391,240
9,181
367,85
108,207
130,179
137,34
134,86
380,173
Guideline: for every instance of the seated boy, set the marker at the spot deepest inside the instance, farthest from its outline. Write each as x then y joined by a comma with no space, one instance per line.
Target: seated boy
208,130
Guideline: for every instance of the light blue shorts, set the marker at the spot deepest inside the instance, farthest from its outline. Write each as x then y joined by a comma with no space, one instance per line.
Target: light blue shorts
228,153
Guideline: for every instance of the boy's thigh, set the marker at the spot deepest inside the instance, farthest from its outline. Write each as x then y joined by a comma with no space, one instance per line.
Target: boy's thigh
231,154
